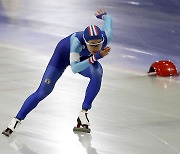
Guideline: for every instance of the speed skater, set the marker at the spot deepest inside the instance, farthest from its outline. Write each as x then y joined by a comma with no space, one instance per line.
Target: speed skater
82,51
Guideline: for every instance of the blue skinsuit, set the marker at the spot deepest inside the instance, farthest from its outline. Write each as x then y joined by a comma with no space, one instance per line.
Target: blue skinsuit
72,51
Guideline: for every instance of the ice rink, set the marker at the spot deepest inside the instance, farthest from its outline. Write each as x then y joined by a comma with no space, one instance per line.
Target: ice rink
133,114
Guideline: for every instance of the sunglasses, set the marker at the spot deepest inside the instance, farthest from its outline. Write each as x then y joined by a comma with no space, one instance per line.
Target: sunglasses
94,44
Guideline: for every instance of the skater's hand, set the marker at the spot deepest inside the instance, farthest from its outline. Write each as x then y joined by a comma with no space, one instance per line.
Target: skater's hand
105,51
100,13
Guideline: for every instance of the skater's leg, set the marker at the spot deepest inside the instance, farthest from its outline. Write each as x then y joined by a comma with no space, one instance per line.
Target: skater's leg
49,79
59,61
94,72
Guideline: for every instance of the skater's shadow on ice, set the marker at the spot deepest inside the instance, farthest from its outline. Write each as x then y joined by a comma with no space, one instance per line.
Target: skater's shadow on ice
85,139
19,146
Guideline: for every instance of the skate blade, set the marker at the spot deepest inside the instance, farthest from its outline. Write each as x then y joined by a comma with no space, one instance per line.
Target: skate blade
6,133
79,129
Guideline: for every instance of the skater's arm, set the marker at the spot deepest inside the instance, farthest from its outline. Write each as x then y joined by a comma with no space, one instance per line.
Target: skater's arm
107,27
75,49
79,66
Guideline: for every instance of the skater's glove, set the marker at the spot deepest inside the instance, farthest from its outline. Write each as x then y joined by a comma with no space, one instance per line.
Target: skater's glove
100,13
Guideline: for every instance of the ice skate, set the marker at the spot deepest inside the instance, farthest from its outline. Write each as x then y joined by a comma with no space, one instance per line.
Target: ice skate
11,127
82,123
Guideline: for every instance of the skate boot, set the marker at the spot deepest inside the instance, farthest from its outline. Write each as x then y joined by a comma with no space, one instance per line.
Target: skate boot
82,123
11,127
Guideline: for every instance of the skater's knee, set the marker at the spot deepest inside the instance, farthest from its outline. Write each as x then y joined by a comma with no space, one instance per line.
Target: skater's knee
44,90
98,72
42,93
97,76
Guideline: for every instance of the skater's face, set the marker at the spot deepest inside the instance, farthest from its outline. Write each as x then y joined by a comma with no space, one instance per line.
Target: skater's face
94,45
